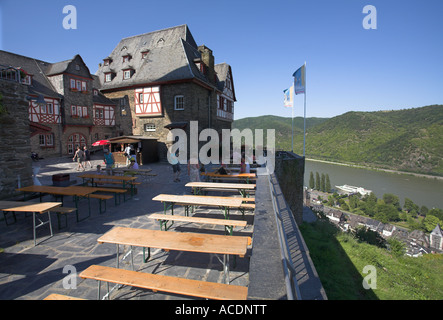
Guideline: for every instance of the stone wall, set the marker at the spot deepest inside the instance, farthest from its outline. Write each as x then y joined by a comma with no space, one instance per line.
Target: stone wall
290,169
15,158
197,100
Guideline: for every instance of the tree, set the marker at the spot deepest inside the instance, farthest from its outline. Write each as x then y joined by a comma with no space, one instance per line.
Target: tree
328,184
353,201
410,207
389,198
430,222
397,247
311,181
424,211
436,213
323,182
317,181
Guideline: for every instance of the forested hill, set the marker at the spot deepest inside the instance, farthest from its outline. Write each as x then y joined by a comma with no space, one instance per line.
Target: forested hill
405,140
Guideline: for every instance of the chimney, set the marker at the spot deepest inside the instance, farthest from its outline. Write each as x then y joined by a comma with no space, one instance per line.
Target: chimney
208,60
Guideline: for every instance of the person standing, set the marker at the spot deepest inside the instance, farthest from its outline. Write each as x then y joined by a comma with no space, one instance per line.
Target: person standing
79,155
173,160
194,170
127,153
87,156
109,161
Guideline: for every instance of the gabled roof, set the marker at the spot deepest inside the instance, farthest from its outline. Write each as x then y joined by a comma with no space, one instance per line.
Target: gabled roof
171,55
223,70
437,231
37,68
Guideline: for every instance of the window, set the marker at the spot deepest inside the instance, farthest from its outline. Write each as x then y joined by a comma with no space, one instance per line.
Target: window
72,83
149,127
108,77
125,59
140,97
145,54
43,109
79,85
75,140
77,67
46,140
27,79
84,86
95,92
79,112
50,108
126,74
179,103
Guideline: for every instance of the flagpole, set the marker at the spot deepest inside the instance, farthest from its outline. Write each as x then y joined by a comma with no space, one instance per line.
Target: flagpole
304,119
293,101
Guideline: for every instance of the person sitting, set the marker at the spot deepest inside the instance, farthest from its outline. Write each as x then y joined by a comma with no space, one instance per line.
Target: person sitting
133,164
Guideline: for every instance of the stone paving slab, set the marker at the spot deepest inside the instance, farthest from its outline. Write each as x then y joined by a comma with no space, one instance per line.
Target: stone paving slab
32,273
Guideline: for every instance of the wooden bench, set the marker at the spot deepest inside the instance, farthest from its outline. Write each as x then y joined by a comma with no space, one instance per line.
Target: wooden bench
56,296
229,224
117,191
101,198
62,211
156,282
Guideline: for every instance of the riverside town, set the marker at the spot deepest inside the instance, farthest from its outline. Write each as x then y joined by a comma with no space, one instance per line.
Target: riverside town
176,154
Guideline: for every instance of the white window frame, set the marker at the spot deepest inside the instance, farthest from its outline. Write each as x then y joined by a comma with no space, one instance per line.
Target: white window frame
126,74
149,127
179,102
108,77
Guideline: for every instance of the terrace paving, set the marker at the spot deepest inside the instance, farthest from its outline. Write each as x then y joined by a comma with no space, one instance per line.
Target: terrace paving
32,273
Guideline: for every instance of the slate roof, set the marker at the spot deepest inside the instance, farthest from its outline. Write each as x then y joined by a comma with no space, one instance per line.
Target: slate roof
37,68
171,56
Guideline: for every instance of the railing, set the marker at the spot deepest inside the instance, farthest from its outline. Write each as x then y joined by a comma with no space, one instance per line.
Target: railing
225,114
292,289
10,74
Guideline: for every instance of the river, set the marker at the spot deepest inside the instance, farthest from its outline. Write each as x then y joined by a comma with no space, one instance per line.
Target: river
421,190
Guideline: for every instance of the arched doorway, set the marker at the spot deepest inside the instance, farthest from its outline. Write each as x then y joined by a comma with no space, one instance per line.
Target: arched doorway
74,140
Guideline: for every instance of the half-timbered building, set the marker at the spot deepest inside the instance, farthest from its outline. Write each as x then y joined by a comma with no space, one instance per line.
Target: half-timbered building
76,113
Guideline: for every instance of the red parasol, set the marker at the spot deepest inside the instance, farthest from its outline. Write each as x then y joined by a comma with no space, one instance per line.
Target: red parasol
101,143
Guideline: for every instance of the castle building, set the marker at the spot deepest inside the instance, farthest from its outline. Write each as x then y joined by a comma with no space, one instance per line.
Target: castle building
168,81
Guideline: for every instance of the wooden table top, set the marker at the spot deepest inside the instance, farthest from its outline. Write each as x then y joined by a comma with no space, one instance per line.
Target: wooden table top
104,176
11,204
200,200
230,175
65,191
180,241
36,207
222,185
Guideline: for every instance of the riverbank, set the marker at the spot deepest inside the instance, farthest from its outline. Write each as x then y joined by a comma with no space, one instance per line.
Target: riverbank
420,175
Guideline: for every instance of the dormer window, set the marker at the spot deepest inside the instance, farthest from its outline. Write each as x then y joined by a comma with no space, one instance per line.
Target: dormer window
145,54
108,77
126,58
27,80
127,73
107,61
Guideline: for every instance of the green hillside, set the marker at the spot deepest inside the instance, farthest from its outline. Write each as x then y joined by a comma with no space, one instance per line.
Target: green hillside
407,140
282,126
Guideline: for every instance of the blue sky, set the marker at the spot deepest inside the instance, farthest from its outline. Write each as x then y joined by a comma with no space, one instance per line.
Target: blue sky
396,66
